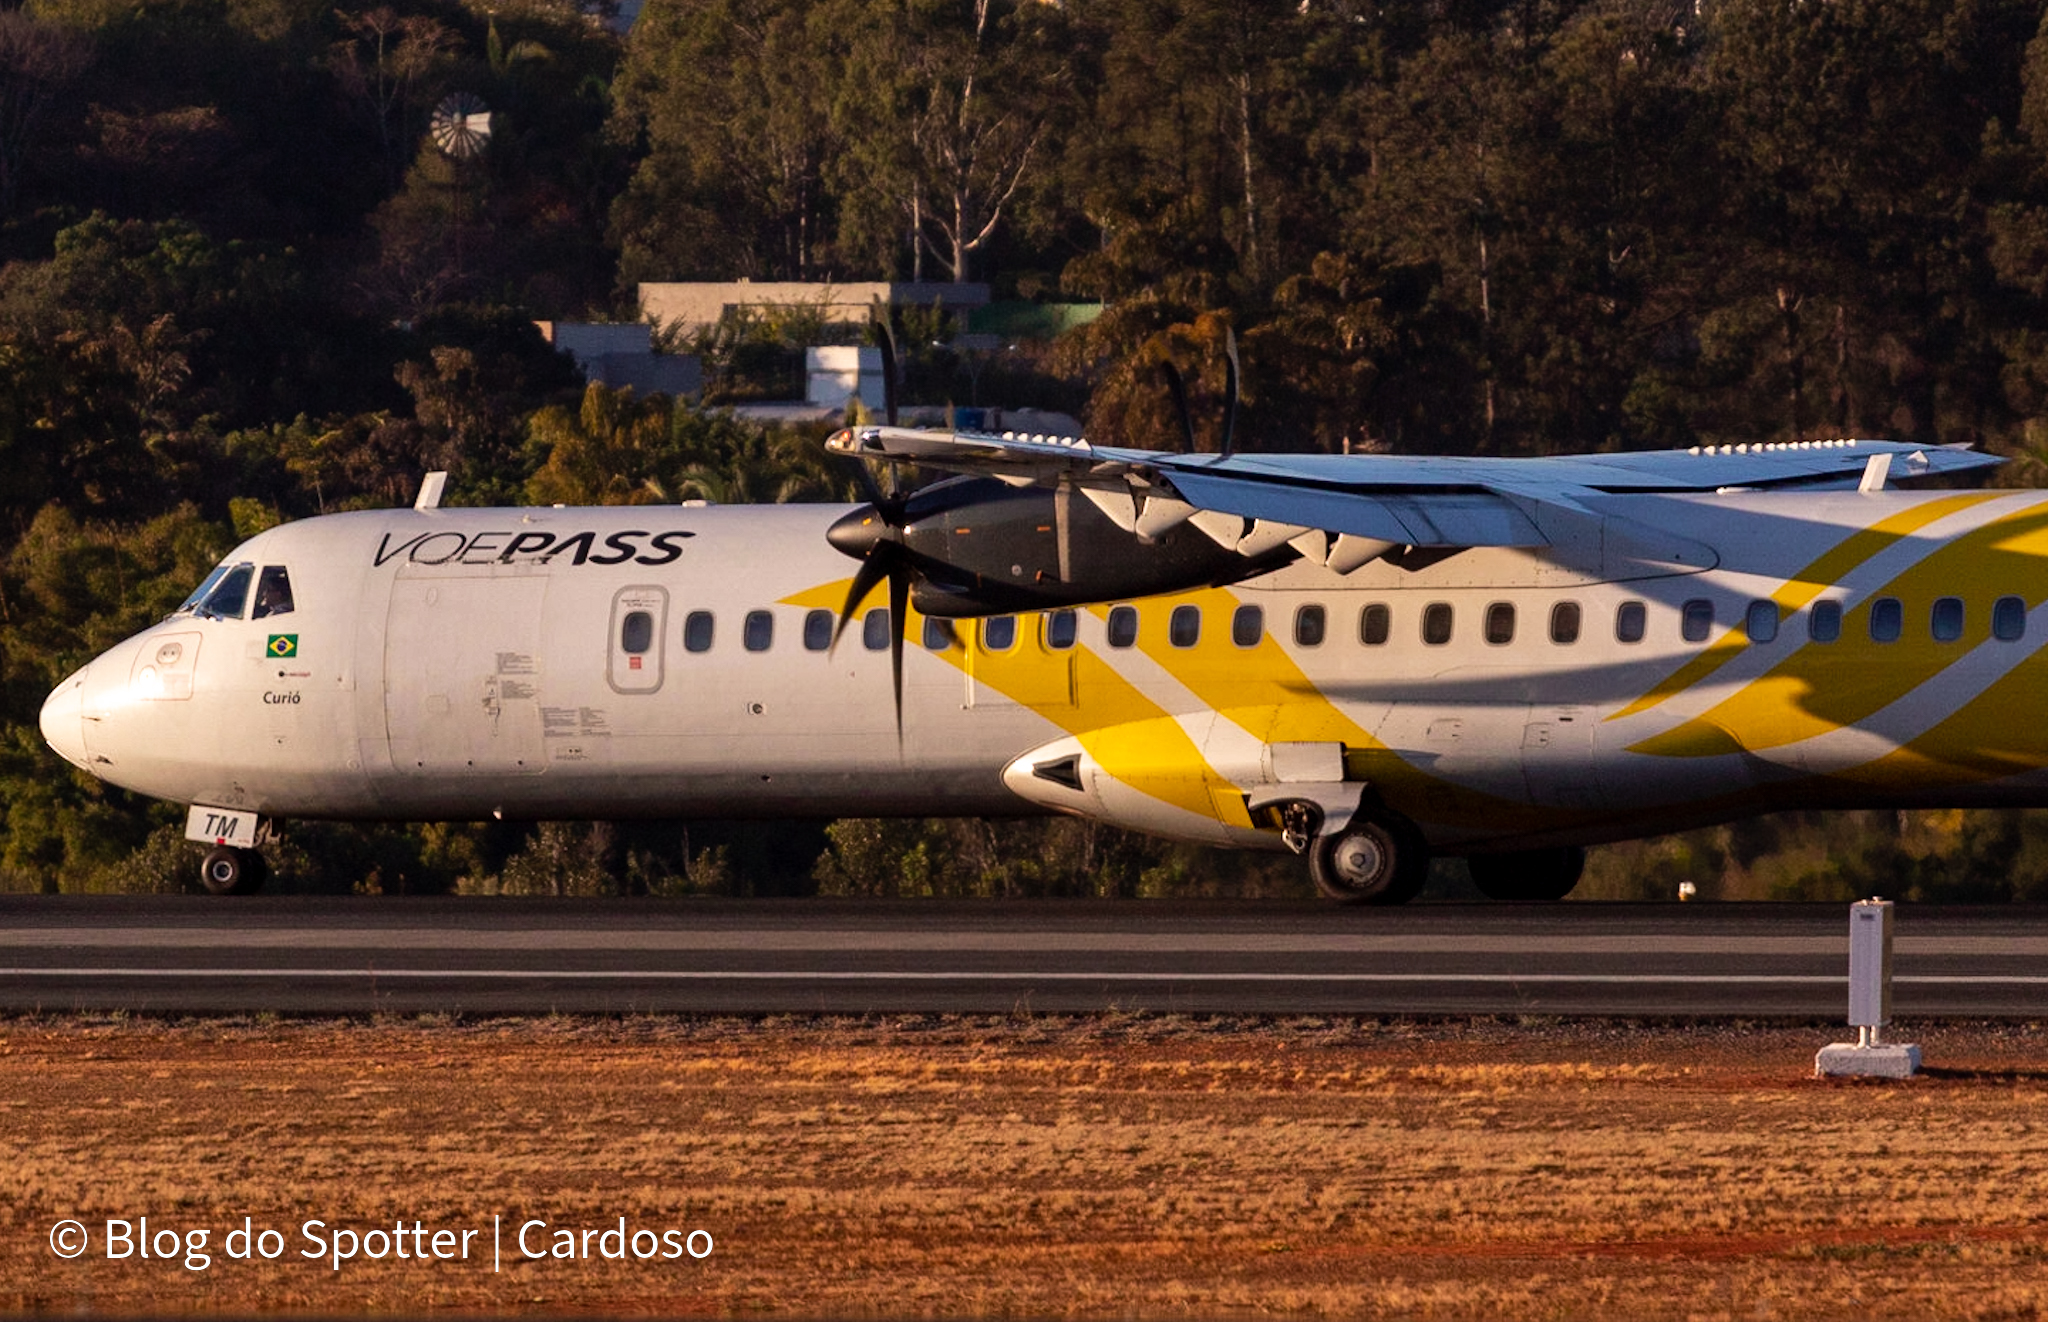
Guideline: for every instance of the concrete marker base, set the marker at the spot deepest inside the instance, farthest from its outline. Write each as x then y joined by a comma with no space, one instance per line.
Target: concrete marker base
1879,1061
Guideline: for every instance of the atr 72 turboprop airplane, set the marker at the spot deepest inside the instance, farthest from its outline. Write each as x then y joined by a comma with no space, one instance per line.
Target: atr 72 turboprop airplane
1361,658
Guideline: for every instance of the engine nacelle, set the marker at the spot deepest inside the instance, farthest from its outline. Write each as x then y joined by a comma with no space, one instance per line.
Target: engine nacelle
982,547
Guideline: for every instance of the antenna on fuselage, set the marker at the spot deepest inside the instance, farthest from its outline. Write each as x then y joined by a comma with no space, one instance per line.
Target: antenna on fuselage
430,491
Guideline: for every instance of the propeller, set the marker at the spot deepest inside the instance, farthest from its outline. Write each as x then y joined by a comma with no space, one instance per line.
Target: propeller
876,533
873,534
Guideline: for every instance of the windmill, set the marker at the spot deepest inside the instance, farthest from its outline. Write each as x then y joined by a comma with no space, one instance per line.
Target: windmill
461,128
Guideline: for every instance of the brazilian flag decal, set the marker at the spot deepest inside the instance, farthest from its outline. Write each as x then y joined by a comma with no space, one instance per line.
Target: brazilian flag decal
284,645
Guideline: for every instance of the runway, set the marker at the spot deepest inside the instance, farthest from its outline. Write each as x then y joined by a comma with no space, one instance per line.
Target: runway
498,956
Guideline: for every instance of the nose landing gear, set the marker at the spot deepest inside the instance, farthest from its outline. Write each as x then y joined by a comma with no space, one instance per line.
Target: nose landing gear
231,871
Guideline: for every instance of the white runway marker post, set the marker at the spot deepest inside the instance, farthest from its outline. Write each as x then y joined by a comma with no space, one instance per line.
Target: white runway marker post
1870,1002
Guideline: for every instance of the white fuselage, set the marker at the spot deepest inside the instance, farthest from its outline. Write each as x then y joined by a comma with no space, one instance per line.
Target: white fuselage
462,663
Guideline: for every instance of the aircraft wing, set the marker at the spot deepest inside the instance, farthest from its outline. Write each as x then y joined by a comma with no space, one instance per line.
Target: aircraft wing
1416,500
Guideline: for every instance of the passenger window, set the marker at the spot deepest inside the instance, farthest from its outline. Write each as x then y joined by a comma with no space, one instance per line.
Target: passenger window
1946,622
1761,621
636,633
1375,625
228,597
1061,629
1631,621
1248,626
1309,623
2008,619
273,593
697,631
757,632
1436,623
1887,620
938,634
817,630
999,634
1500,624
1696,620
874,629
1184,626
1824,622
1564,622
1123,626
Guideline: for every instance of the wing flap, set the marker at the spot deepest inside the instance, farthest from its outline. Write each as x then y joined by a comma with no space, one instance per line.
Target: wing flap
1440,518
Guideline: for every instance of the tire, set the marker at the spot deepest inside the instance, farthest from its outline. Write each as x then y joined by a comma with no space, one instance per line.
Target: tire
1377,859
226,871
1530,876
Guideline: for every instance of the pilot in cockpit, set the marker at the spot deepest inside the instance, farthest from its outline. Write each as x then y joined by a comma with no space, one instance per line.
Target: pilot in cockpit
273,593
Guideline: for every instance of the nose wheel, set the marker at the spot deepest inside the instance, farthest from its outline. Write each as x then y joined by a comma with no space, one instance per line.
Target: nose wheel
229,871
1374,859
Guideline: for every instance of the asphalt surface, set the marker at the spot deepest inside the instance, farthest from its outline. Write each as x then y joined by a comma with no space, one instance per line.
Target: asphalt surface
326,955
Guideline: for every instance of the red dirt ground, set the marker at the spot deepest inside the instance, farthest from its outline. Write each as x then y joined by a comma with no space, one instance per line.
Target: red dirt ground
1097,1166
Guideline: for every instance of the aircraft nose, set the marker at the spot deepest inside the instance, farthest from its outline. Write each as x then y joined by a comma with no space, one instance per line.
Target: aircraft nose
63,718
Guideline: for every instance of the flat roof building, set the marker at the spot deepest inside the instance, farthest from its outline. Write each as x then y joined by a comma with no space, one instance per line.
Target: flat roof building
692,305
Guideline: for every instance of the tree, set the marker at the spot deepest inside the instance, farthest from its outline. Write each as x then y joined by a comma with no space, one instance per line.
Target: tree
729,103
38,61
391,63
946,108
1854,131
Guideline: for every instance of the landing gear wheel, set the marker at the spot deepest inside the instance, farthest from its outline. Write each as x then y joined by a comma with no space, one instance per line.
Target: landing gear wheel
226,871
1378,859
1532,876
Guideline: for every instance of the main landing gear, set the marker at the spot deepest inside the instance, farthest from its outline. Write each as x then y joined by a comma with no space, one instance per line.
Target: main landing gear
230,871
1378,857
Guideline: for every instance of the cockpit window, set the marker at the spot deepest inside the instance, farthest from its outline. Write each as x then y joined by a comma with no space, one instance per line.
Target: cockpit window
228,596
273,592
199,593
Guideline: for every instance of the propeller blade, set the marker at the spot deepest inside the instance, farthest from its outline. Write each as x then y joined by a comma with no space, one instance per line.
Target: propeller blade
1063,526
899,602
870,490
887,340
873,567
1230,387
1178,389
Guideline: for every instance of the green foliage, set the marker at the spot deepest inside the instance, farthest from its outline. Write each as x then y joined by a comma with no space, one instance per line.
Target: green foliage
1033,859
727,103
1953,856
563,859
619,450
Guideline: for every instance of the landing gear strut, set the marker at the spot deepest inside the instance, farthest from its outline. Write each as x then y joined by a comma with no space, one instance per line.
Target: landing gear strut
1531,876
229,871
1376,858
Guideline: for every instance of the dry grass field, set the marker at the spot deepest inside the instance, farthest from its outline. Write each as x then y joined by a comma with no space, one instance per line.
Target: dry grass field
1047,1167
